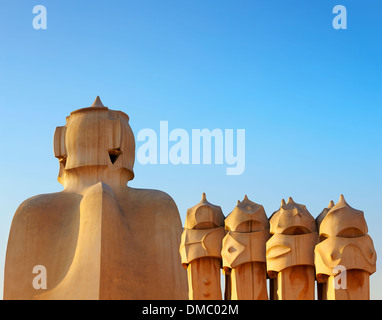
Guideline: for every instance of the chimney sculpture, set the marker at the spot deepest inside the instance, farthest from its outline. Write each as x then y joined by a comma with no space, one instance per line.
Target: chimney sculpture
200,250
345,258
98,238
323,213
290,260
243,251
320,217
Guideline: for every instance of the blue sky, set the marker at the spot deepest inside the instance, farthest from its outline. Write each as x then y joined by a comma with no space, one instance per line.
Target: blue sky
308,96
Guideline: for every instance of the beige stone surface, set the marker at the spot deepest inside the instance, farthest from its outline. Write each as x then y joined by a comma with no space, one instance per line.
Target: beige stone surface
243,252
289,252
345,246
98,238
323,213
200,250
240,247
284,251
196,244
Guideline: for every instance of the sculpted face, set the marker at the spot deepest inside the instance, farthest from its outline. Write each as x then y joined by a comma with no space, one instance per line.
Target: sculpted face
101,138
291,249
244,243
343,235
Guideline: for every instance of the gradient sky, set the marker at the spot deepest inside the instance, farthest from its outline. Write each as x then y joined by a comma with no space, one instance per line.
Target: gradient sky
308,96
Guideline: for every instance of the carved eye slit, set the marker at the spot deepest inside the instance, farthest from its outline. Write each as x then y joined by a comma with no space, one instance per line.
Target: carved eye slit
114,154
62,161
323,237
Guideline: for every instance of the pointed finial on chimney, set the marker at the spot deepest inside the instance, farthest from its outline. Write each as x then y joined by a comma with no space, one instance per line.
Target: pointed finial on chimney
97,103
290,200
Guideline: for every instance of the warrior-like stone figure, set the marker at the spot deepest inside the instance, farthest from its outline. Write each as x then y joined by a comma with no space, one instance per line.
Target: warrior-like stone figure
243,251
345,258
290,252
200,250
98,238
